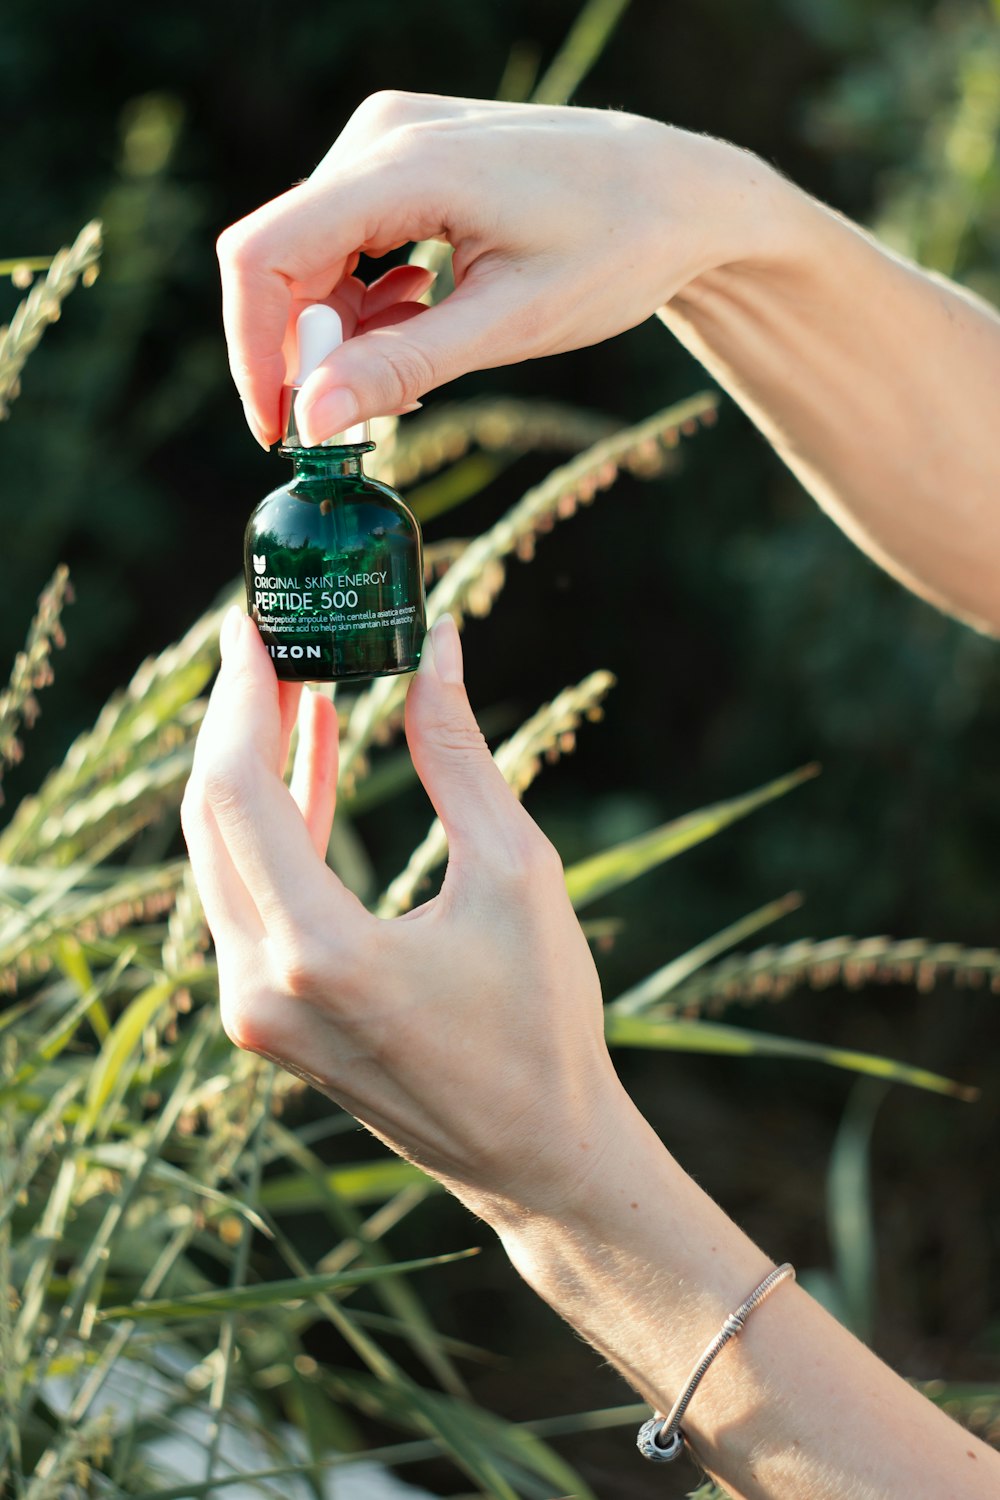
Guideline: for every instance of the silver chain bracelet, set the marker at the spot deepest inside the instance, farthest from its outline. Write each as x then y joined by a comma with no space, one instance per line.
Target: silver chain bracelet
660,1439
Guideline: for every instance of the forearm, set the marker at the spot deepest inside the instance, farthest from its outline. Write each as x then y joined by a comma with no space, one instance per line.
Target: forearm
646,1267
875,382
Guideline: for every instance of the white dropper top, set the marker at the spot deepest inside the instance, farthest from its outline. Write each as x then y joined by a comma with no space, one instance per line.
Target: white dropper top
318,331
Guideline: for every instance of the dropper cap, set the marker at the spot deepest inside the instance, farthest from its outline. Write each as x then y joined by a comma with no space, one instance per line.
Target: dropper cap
318,332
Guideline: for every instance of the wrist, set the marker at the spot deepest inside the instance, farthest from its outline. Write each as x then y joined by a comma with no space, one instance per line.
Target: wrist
556,1174
640,1260
731,210
635,1208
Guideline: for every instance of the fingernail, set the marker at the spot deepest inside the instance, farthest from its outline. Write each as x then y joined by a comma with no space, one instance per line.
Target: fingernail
332,412
413,406
441,655
229,634
257,431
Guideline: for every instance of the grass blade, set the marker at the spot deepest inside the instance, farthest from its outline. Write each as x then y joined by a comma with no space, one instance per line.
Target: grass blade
675,1035
272,1293
55,1039
123,1157
584,44
849,1207
660,984
606,872
359,1238
122,1041
368,1182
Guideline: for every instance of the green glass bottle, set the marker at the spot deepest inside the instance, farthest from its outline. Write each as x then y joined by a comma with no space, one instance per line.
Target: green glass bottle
333,559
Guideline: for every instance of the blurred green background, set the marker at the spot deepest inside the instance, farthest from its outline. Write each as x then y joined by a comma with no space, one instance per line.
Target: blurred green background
747,635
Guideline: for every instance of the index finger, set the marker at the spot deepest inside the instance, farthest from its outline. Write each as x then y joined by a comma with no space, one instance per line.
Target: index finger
302,245
237,780
284,250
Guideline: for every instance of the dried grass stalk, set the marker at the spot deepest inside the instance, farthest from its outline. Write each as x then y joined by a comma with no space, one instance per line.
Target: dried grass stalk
549,733
32,669
94,826
439,557
139,730
771,973
62,909
187,930
447,433
475,578
42,306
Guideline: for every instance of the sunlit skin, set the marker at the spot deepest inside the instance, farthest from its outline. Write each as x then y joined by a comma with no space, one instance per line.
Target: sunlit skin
467,1035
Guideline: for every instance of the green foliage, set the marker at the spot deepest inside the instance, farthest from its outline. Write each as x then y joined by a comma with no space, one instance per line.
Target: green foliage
926,103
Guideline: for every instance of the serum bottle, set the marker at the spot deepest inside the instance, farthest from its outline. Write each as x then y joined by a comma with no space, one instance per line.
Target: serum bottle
333,559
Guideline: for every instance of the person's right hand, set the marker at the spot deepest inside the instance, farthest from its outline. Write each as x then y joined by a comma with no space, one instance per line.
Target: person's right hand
568,225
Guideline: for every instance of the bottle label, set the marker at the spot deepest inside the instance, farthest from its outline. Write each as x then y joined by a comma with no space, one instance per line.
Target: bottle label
346,624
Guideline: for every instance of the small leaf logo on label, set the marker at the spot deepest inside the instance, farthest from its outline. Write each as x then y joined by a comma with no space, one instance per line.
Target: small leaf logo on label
259,563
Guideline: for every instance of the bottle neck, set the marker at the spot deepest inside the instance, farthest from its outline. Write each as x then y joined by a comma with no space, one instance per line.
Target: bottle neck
328,463
351,437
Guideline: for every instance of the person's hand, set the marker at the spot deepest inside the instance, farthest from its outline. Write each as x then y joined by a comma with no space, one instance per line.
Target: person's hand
467,1034
568,225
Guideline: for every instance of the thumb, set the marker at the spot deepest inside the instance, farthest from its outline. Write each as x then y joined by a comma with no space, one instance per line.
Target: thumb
385,369
483,820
